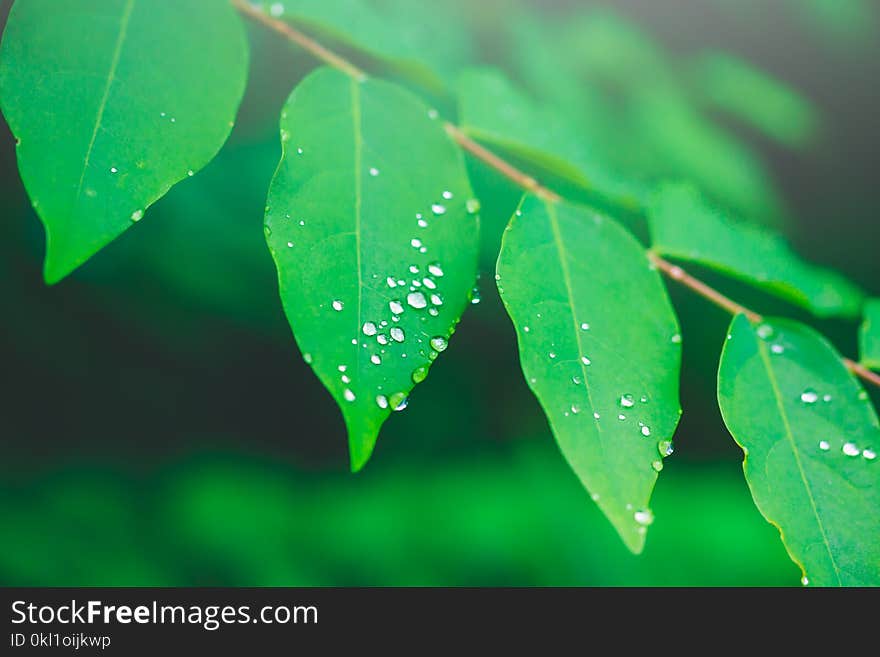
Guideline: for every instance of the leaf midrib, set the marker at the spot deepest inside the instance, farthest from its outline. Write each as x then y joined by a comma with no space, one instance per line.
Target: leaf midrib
777,394
566,277
111,77
358,138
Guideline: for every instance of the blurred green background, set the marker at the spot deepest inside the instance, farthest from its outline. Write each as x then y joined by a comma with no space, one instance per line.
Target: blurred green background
159,426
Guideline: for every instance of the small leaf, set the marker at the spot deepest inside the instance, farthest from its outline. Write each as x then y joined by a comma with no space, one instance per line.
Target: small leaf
373,230
600,347
810,436
685,227
869,335
113,102
493,111
767,104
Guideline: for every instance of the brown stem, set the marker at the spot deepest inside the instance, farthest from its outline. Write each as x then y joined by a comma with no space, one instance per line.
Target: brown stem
505,168
305,42
676,273
521,178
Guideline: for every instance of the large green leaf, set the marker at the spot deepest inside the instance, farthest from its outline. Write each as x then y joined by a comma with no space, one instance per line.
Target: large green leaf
685,227
756,98
869,335
112,102
810,437
372,227
600,348
494,111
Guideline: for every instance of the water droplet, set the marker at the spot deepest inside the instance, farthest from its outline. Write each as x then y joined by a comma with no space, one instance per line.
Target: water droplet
299,151
396,308
646,430
439,343
391,282
576,380
447,195
337,305
585,327
137,215
375,359
374,171
627,401
764,331
585,360
381,401
826,398
552,354
809,396
190,173
348,394
850,449
824,445
436,300
869,454
676,339
113,169
398,401
416,243
863,396
665,448
644,517
777,348
644,399
419,374
438,209
526,329
657,465
433,312
416,300
382,338
276,9
575,409
432,114
621,417
805,581
342,368
429,283
307,358
472,206
397,334
345,378
290,245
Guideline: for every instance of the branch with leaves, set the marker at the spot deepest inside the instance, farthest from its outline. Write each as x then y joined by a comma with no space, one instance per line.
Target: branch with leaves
374,229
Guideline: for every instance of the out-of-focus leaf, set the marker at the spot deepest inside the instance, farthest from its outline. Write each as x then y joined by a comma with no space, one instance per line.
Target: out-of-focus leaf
110,112
685,227
372,227
869,335
494,111
765,103
810,435
599,347
402,34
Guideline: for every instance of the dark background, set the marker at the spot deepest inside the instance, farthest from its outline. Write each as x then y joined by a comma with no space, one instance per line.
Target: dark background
159,427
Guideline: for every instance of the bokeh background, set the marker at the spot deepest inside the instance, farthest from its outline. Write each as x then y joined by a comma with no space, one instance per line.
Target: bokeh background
159,427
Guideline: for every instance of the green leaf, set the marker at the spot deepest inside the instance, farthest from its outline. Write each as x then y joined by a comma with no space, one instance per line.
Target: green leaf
370,221
869,335
399,33
495,112
113,102
810,435
685,227
765,103
600,348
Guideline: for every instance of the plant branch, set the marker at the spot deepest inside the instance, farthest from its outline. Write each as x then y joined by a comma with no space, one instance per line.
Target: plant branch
676,273
302,40
508,170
